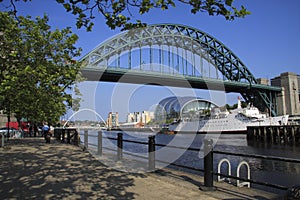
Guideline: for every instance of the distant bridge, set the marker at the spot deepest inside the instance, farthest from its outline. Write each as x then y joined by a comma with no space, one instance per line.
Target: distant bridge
176,55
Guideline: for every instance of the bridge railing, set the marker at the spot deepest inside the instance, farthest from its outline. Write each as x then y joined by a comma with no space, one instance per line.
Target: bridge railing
208,160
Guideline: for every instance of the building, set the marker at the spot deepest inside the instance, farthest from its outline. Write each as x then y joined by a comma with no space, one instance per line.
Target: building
3,118
263,81
288,100
133,117
143,117
113,120
147,116
174,108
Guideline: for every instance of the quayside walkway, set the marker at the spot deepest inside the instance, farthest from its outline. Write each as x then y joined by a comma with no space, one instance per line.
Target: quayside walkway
31,169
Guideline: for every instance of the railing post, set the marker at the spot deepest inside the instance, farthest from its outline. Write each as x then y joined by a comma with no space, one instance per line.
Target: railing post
285,134
100,143
56,133
151,153
120,146
76,138
277,134
69,136
86,139
208,166
63,136
293,135
272,134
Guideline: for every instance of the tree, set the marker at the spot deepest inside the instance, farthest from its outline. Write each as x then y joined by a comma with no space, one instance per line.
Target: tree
118,13
37,68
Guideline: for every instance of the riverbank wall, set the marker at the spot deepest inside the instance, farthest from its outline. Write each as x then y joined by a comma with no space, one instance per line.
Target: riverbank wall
288,134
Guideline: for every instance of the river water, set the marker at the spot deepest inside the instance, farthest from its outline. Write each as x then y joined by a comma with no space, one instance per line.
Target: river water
275,172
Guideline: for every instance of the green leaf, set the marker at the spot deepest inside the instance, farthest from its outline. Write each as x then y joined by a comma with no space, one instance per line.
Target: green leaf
67,7
228,2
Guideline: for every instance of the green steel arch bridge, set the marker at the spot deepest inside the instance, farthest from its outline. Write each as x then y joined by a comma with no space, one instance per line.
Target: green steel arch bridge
176,55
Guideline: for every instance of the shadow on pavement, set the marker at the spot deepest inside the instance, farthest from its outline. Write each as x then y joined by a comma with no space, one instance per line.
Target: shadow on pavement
31,169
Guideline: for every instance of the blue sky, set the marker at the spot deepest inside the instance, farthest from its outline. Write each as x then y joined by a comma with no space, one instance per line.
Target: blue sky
267,41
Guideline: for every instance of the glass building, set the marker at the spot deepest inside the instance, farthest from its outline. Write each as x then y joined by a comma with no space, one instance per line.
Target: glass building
175,108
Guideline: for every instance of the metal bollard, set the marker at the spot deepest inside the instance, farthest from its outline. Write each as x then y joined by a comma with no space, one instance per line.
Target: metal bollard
151,153
100,143
120,146
86,139
208,167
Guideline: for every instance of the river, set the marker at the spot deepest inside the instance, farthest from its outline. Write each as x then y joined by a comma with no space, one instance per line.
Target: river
275,172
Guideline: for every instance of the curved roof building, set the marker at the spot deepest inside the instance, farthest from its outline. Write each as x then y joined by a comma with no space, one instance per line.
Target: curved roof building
174,107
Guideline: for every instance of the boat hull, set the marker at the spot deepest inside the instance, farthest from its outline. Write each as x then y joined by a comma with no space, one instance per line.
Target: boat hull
233,124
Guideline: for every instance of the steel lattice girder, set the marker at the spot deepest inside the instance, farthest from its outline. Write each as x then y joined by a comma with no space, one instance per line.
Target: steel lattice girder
185,37
177,35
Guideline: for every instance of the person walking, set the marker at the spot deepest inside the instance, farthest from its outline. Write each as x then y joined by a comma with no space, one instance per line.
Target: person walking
35,130
46,133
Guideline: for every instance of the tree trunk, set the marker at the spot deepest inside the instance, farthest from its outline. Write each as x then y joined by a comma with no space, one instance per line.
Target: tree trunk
8,124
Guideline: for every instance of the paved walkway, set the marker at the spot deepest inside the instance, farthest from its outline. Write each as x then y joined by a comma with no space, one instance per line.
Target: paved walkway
31,169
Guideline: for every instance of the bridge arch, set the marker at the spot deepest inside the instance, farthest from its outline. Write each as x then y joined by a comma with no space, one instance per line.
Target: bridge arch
178,35
85,109
192,41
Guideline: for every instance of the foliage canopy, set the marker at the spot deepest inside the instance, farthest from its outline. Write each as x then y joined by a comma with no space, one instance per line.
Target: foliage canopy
37,67
120,13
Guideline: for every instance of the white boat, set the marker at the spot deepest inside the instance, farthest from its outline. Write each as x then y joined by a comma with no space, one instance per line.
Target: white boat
234,121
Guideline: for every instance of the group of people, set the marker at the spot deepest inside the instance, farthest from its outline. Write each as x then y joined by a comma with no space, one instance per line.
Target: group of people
33,130
45,132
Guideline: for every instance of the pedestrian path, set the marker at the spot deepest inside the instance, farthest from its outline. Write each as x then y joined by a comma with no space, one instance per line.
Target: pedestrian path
31,169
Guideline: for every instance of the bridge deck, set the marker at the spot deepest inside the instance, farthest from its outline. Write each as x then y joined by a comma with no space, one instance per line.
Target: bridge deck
154,78
31,169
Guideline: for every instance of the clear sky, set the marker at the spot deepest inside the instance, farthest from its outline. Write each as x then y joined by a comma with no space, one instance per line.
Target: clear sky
267,42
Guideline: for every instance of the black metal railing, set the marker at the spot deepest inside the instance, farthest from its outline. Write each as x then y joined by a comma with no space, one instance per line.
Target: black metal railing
67,135
208,158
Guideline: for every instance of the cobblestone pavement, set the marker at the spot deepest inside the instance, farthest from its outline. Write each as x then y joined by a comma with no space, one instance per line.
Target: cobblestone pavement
31,169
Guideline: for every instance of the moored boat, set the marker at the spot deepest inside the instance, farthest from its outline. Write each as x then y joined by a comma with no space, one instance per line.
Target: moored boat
223,121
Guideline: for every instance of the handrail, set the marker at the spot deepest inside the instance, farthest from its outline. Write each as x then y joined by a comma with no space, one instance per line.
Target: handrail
177,147
151,158
259,156
219,168
253,181
238,174
64,135
160,145
136,142
111,138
